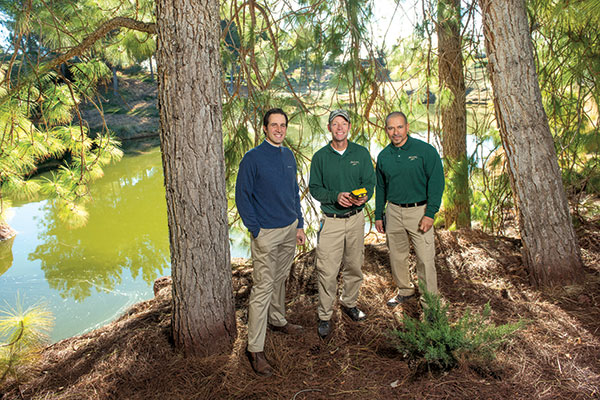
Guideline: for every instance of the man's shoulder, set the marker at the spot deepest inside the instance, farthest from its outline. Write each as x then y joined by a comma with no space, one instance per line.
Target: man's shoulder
385,152
358,148
322,151
421,144
251,154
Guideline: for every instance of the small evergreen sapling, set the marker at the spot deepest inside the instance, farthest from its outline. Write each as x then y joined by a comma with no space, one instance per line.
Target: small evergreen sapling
441,344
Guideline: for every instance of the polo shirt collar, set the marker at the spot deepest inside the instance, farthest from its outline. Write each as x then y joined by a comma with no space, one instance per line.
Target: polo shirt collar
405,146
348,148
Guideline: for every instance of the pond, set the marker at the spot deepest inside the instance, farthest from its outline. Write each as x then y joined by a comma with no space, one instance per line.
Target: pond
88,276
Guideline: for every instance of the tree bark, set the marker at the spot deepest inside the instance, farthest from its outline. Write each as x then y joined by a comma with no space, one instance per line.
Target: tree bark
457,204
189,98
550,248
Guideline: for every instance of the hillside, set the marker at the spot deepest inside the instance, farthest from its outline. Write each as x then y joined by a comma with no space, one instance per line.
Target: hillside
555,356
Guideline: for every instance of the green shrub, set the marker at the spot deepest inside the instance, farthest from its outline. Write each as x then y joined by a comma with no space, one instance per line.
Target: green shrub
440,344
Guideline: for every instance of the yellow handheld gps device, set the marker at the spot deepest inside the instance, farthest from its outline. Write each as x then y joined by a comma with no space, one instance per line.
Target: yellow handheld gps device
359,193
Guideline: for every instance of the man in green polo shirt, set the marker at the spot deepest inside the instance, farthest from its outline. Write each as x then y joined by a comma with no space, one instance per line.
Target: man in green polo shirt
335,171
410,179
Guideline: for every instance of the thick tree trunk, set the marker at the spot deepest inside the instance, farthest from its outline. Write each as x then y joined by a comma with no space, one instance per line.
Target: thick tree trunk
457,205
189,98
550,248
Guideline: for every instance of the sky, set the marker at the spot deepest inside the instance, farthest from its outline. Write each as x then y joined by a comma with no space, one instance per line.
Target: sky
393,21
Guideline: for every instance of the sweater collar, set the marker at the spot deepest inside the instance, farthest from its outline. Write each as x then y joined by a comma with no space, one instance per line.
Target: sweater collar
266,146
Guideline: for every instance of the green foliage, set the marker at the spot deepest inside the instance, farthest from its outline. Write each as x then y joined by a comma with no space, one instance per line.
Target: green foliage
443,345
22,334
567,44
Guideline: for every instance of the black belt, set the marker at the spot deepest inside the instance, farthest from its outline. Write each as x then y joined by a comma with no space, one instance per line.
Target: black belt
351,213
407,205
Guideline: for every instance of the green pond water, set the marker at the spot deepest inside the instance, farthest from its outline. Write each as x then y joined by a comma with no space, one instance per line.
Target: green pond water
90,275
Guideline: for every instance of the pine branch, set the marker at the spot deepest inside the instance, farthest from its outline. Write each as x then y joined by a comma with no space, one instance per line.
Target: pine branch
105,28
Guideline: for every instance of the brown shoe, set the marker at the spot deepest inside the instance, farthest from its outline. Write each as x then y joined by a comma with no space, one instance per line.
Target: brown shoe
290,329
259,363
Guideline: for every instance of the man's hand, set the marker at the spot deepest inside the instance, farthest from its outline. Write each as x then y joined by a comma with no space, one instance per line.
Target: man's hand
379,226
425,224
358,202
300,237
344,199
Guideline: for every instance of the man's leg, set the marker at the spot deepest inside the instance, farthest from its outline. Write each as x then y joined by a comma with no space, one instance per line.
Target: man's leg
353,259
424,246
329,257
286,247
399,247
264,264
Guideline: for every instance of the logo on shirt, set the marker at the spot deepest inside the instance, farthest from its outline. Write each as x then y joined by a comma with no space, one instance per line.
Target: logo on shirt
413,158
353,163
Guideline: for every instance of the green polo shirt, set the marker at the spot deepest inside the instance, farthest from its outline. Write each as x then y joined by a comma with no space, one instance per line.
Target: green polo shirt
332,173
409,174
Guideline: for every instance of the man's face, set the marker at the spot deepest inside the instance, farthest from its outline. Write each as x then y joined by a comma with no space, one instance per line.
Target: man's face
339,128
397,130
276,129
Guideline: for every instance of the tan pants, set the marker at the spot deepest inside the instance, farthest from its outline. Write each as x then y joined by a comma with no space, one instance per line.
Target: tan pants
402,226
272,256
340,239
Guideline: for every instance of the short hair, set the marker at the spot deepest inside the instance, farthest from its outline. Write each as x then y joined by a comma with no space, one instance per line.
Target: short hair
395,114
274,111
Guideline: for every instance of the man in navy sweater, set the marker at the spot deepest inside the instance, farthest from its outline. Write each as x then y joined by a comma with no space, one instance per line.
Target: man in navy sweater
268,200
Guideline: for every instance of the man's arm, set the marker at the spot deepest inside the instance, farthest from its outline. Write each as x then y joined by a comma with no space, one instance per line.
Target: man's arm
435,183
368,176
244,187
435,189
315,184
297,205
380,191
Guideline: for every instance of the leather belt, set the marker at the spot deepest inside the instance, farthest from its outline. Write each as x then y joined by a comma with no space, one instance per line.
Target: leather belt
408,205
347,215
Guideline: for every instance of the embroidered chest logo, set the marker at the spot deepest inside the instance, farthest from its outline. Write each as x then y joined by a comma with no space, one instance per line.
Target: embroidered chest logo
413,158
353,163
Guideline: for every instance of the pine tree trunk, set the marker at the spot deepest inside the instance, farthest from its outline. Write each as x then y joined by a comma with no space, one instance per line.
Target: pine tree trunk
115,81
457,205
189,95
151,68
550,248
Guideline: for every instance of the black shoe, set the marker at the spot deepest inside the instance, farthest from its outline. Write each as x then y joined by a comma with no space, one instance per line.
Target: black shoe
394,301
324,329
354,313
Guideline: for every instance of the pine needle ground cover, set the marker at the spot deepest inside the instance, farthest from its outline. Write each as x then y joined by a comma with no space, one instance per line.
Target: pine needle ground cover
554,356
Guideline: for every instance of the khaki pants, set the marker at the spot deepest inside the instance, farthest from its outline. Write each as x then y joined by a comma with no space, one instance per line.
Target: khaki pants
402,225
272,255
340,239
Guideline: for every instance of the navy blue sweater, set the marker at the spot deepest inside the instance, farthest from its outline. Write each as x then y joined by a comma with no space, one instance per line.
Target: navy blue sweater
266,191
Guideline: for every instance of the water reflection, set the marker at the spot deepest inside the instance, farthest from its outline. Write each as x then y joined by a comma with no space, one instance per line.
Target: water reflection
6,255
127,230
